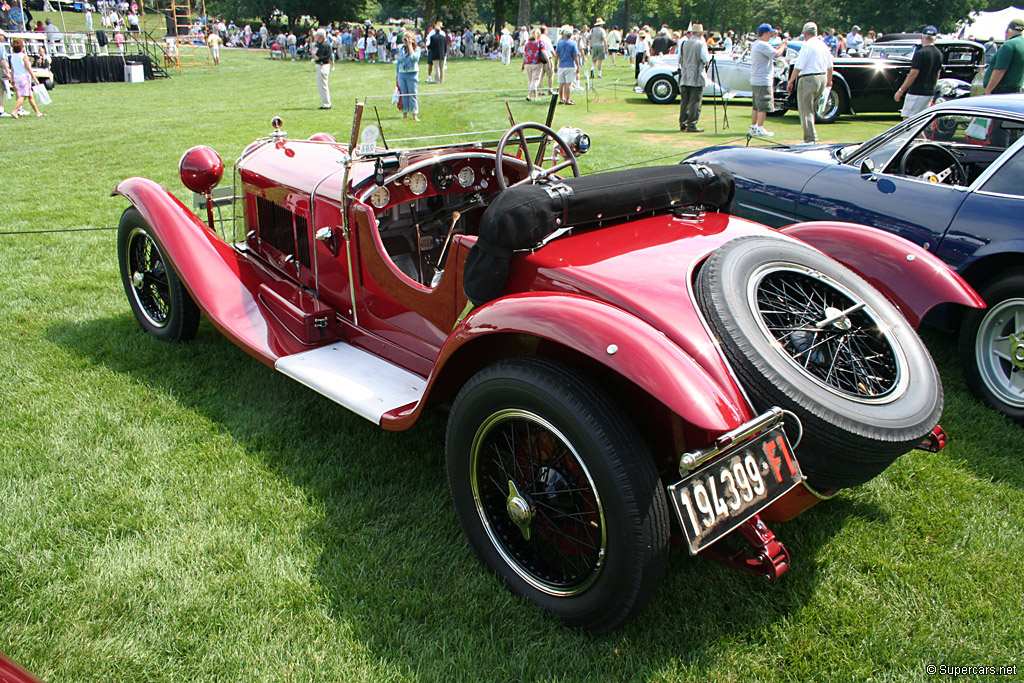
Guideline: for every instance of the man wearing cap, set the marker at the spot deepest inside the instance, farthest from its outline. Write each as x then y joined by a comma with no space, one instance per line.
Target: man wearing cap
924,74
568,64
813,72
693,55
598,46
1006,73
762,78
854,41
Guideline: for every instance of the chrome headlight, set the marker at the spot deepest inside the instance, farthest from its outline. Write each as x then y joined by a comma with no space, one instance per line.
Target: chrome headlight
575,139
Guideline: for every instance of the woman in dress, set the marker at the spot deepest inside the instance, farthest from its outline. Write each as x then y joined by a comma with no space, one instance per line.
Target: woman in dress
407,68
23,77
532,64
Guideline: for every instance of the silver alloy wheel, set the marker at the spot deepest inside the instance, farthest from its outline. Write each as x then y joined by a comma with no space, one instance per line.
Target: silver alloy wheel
827,332
999,351
537,502
148,277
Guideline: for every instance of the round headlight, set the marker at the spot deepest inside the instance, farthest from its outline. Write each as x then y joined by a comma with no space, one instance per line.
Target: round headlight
200,169
575,139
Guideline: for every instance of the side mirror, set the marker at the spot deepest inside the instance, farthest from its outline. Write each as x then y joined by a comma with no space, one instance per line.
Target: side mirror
867,167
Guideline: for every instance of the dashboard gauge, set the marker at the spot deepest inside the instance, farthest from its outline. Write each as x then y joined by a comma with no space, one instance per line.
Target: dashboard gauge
466,176
380,197
418,183
443,176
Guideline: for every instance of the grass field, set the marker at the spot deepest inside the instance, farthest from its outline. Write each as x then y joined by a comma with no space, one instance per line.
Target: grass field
181,512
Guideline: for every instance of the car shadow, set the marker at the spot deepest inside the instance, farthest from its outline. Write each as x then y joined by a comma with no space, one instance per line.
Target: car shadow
969,421
394,564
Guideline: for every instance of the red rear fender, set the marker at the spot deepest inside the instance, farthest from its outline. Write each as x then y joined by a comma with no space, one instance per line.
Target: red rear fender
610,336
913,279
221,284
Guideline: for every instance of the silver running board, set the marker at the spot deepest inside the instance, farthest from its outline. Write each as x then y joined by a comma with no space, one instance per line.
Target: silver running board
357,379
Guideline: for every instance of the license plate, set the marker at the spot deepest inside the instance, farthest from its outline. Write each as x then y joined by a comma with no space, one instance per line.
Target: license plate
720,496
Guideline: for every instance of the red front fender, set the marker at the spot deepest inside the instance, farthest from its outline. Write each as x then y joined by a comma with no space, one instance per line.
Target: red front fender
610,336
913,279
222,285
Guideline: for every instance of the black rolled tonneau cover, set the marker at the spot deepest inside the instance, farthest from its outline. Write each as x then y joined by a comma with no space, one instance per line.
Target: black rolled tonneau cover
521,217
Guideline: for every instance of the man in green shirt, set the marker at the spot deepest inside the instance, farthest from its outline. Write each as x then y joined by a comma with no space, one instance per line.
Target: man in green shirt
1006,73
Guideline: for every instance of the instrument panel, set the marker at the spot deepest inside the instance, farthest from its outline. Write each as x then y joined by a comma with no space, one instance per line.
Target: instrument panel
454,174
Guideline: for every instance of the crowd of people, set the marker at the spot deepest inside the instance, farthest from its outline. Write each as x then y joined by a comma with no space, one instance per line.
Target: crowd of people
562,54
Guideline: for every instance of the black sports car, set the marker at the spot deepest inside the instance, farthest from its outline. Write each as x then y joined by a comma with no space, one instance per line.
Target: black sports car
867,84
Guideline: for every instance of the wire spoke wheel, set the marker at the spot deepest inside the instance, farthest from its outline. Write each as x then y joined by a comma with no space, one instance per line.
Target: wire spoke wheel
149,278
158,298
557,491
826,331
807,334
538,502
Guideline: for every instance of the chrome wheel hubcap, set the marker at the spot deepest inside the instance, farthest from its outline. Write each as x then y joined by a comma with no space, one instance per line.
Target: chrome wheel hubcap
519,510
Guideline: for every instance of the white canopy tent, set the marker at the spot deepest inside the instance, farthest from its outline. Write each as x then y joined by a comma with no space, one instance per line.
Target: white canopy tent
984,26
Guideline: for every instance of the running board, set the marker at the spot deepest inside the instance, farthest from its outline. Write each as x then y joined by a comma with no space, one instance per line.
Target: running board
358,380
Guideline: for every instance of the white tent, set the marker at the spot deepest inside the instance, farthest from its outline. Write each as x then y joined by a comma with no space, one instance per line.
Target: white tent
987,25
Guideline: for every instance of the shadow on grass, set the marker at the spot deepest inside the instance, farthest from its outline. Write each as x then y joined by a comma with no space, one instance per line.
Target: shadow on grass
393,563
968,421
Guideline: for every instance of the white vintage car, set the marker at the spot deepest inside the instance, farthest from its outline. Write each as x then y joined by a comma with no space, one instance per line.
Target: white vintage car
728,77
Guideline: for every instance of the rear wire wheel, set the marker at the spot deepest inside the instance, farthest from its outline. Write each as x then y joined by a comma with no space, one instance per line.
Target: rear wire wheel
557,492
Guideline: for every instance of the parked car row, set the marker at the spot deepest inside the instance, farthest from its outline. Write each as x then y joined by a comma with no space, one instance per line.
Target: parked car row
860,84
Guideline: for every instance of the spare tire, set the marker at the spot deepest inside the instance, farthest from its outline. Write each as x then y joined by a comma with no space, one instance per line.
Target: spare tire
805,333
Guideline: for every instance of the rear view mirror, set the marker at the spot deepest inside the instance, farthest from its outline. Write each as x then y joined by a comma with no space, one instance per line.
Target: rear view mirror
867,167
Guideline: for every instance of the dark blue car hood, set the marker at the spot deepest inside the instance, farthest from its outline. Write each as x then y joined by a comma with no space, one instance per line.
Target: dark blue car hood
769,180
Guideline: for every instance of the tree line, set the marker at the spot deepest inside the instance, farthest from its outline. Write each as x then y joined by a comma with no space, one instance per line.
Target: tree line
743,16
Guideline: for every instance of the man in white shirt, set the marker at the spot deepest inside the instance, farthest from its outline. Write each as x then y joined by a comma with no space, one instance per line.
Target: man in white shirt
811,74
854,42
762,78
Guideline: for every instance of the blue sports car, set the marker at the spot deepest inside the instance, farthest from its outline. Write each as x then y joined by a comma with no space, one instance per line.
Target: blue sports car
950,179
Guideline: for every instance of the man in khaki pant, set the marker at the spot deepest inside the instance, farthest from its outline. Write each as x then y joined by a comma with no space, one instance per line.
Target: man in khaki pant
323,56
811,74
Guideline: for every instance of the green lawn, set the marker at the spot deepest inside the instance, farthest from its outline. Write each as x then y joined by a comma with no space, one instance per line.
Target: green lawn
181,512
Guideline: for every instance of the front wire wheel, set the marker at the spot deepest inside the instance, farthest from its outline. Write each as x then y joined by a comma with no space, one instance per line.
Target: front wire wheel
155,293
557,492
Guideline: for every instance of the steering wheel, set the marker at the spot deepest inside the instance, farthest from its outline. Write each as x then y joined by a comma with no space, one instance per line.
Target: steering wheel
535,170
925,160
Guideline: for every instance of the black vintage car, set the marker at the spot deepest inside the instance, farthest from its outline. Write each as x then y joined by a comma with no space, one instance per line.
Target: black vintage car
867,84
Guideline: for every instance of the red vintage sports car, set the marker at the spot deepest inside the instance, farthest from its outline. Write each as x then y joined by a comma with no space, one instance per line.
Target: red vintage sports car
627,364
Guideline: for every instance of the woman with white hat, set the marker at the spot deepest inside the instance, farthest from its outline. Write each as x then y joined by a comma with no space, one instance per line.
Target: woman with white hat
598,46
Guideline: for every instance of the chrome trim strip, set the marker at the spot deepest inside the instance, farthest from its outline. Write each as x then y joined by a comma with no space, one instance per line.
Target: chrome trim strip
731,440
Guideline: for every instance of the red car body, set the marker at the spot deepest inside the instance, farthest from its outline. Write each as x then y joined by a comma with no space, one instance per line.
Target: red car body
616,303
